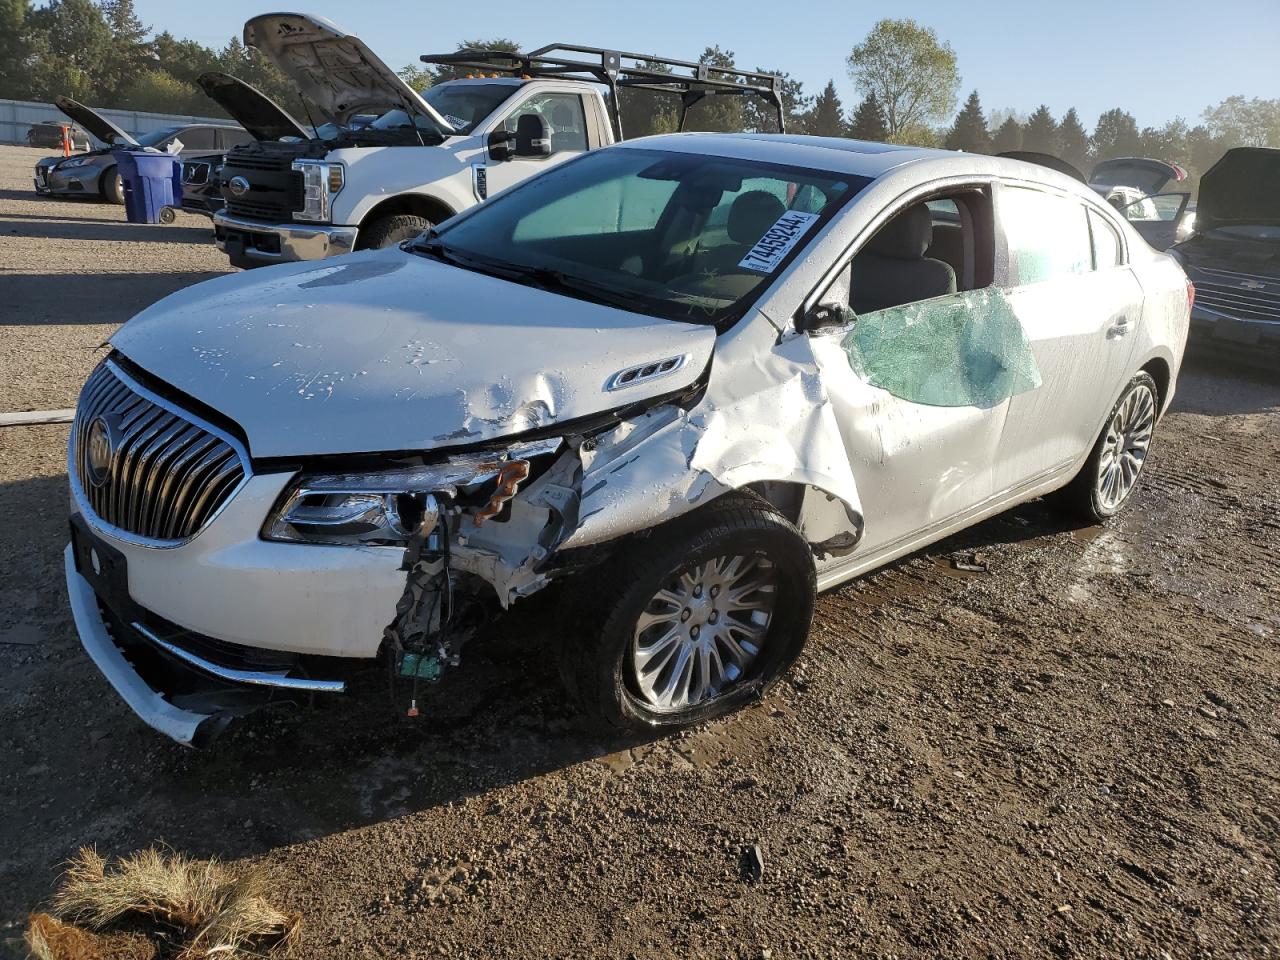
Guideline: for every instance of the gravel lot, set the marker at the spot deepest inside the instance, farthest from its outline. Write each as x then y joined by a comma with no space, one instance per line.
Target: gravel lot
1074,754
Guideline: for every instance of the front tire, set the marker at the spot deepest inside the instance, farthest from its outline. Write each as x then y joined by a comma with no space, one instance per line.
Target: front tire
693,622
111,186
1109,477
389,231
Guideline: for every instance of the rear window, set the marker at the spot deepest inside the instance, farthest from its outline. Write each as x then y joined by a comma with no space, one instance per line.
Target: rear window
1048,235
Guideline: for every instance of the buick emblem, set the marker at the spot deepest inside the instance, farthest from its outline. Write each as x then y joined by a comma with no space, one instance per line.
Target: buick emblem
99,452
238,186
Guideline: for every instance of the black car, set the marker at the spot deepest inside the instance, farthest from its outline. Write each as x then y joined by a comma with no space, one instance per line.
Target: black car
1233,258
48,133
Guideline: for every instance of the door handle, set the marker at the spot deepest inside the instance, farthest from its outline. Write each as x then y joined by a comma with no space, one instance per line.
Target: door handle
1119,327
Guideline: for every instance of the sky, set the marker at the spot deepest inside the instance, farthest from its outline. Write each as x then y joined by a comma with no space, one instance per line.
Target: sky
1158,60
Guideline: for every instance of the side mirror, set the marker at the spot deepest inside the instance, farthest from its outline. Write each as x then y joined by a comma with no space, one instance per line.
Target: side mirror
533,136
500,145
824,316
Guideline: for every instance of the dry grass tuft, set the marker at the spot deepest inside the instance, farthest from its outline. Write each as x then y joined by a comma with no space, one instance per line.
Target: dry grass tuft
197,909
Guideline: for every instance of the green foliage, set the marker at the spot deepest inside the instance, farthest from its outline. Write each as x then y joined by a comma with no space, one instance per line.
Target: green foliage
867,122
912,74
417,77
15,47
719,114
826,119
1116,135
760,115
1008,136
969,132
1073,141
442,73
159,91
1041,133
1245,122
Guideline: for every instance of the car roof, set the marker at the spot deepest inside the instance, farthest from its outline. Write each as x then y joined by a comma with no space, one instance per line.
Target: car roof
861,158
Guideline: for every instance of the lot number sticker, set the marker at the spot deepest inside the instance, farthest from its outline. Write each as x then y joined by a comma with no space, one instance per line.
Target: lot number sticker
770,250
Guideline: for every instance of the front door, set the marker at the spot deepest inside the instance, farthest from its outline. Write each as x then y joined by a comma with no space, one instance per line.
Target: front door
1158,219
567,121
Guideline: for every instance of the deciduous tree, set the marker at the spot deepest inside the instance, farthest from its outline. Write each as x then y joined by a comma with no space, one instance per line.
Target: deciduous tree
912,74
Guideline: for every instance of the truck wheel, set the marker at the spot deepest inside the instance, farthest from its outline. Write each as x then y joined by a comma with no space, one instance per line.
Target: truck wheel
692,622
111,186
389,231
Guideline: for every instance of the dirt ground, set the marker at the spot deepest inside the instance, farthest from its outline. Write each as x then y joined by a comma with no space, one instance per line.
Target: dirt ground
1073,754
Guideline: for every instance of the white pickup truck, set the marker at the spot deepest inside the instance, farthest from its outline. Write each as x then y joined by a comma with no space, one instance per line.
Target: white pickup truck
346,186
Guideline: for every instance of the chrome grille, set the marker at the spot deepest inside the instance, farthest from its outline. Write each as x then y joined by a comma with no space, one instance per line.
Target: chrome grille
169,472
1239,295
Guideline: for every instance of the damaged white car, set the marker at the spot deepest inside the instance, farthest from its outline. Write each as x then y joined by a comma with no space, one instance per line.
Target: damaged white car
690,380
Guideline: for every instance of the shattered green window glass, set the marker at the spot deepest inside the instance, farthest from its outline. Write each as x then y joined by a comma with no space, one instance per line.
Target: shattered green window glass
963,350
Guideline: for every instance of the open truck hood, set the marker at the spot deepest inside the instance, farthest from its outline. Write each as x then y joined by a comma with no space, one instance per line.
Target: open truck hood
1141,173
334,69
1243,187
94,122
388,351
251,108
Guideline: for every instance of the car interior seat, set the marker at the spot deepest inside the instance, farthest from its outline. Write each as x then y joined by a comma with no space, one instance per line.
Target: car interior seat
892,268
750,217
564,132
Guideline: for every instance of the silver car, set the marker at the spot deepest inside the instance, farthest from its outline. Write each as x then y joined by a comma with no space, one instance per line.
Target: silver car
94,174
689,380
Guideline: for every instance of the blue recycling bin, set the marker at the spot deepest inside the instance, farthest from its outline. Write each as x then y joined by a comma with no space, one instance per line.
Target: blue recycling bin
152,182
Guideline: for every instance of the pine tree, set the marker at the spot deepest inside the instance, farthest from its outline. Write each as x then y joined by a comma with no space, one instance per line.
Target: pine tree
1007,137
826,119
1116,135
1041,132
868,122
1073,141
969,132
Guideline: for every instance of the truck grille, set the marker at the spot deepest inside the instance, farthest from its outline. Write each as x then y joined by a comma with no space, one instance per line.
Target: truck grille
275,188
146,467
1239,295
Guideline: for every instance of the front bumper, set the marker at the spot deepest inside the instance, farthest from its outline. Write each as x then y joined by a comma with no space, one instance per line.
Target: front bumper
252,244
78,181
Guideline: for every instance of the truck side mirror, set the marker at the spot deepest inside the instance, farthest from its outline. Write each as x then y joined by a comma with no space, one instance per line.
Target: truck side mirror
500,145
825,315
533,136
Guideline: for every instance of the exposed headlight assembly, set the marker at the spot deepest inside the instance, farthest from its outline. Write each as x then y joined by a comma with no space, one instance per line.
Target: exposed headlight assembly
386,508
321,182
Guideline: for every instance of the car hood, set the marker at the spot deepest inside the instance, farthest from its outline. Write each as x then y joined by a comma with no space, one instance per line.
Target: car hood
389,351
1142,173
94,122
1243,187
334,69
250,107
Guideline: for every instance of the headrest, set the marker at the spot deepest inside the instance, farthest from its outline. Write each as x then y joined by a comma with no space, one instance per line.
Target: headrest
906,237
752,214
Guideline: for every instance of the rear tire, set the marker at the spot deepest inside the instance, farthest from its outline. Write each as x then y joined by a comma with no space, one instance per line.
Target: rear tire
613,658
111,186
1109,477
389,231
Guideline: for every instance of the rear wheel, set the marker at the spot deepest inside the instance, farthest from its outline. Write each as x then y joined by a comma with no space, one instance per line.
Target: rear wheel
1111,474
111,185
388,231
694,622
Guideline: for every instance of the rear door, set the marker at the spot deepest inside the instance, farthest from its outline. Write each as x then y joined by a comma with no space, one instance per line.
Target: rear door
1068,279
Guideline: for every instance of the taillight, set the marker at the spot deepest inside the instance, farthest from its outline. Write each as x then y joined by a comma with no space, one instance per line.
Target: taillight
1191,295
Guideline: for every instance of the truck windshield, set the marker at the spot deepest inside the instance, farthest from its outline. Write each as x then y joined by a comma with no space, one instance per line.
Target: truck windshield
689,237
464,105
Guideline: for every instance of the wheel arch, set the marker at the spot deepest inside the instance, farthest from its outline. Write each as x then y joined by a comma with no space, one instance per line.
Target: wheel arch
1160,370
412,204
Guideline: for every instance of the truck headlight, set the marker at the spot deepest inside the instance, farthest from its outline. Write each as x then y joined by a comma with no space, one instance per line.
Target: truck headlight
321,182
385,508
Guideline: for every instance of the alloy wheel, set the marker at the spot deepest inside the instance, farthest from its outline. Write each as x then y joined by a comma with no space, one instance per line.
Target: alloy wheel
1125,448
699,635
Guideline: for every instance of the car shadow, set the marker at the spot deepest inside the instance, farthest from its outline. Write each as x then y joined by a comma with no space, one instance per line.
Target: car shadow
95,298
291,772
69,228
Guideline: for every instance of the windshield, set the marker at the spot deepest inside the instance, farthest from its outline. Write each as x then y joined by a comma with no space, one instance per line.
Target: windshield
465,105
685,236
157,137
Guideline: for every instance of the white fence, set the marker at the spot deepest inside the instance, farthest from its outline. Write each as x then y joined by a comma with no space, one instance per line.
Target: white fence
16,116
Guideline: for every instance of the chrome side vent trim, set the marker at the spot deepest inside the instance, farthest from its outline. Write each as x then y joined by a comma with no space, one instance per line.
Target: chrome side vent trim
645,372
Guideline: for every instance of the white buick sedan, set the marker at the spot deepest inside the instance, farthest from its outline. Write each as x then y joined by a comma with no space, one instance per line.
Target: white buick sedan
687,381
